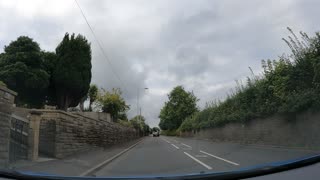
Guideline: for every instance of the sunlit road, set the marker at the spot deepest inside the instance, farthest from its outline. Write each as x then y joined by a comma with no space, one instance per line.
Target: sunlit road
172,155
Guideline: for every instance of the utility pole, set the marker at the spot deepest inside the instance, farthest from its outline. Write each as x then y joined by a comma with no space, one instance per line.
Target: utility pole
138,98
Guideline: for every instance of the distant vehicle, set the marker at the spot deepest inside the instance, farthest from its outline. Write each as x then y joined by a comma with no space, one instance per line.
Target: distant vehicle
156,133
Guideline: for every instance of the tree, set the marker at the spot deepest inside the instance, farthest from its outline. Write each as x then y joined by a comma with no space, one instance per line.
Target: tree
139,123
113,103
93,95
181,104
49,63
72,73
154,129
22,69
123,116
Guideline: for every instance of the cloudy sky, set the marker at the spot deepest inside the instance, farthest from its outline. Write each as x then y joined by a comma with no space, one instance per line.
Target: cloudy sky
204,45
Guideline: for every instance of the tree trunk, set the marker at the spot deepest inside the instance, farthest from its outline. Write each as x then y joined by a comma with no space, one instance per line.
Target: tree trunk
64,103
90,105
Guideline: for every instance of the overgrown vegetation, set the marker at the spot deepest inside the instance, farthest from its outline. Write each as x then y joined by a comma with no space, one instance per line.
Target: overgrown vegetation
287,85
139,123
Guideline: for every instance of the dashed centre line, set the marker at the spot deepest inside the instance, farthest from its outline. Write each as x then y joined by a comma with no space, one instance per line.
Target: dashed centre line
236,164
186,145
165,140
198,161
175,146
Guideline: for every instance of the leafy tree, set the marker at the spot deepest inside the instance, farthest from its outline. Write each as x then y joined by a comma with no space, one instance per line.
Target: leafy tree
49,63
181,104
123,116
22,69
72,73
154,129
139,123
93,95
113,103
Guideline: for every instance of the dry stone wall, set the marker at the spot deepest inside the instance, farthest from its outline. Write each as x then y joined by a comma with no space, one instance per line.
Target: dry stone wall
6,104
63,134
298,131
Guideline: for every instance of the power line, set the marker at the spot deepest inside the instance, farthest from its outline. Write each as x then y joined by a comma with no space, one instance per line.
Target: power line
99,44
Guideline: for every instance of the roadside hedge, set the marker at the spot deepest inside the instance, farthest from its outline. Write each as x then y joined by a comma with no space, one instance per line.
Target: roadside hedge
289,84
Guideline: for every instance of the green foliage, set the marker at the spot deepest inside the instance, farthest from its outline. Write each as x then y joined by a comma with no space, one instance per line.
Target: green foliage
23,70
72,73
125,123
181,104
2,84
139,123
113,103
93,95
288,85
154,129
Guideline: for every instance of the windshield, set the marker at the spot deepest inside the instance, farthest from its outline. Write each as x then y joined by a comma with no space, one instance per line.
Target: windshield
156,88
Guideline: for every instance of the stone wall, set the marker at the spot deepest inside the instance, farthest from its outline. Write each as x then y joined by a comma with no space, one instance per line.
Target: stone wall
7,95
6,104
300,131
47,137
63,134
95,115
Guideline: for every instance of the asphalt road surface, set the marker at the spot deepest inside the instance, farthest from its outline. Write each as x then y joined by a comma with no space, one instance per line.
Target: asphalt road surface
175,156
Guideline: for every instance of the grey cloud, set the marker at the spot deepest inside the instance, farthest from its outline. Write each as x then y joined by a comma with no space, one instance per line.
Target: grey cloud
203,45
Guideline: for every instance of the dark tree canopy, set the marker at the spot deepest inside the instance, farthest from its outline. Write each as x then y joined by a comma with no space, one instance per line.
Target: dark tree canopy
49,63
181,104
72,74
22,69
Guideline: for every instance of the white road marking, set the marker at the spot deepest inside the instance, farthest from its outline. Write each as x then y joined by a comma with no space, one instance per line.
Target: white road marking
198,161
236,164
201,156
175,140
175,146
186,145
91,170
165,140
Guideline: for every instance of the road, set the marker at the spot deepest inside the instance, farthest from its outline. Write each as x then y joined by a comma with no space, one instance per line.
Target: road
173,155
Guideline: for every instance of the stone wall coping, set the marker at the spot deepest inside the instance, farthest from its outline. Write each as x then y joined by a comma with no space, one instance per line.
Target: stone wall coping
54,111
78,114
3,88
72,115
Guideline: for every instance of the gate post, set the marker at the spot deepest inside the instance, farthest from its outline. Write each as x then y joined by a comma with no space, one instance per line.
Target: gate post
33,138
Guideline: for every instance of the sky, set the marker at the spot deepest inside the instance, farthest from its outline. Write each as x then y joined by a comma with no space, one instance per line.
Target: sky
203,45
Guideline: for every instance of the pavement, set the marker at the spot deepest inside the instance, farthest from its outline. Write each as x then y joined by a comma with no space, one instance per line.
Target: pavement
75,165
166,156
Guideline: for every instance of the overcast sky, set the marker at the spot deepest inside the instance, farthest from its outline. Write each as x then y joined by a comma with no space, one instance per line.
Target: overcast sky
204,45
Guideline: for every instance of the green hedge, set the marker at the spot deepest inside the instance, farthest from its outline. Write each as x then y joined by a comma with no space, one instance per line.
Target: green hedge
290,84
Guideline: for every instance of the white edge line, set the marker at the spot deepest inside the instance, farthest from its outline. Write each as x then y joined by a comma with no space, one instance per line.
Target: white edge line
175,146
108,160
198,161
186,145
236,164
